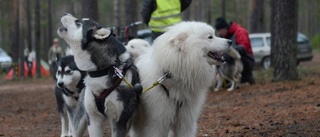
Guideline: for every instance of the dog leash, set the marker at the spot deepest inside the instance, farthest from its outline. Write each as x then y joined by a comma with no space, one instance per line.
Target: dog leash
119,74
159,81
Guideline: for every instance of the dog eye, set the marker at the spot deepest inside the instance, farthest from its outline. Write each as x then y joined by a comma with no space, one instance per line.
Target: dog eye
210,37
68,72
132,47
78,23
59,72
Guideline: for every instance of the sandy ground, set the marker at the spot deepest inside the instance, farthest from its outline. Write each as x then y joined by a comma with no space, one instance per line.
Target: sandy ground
290,108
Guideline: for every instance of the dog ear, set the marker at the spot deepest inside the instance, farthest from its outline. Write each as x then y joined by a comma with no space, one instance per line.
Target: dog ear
178,40
102,33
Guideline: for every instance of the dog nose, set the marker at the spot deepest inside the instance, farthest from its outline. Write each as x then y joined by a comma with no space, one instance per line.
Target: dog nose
60,84
229,42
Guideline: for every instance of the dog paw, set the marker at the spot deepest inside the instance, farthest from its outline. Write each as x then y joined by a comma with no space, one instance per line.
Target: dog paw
216,89
230,89
65,135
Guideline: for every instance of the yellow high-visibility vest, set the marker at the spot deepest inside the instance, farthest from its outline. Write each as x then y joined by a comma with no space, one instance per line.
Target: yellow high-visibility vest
166,14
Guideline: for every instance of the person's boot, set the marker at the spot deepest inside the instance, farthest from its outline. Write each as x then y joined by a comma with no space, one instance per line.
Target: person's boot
248,78
251,80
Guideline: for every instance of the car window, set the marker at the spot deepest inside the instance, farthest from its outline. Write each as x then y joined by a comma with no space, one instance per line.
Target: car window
256,42
302,39
3,53
269,41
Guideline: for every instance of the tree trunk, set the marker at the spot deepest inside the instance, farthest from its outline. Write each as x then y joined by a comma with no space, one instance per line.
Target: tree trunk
15,31
284,19
116,13
186,14
195,9
116,16
29,32
208,11
235,11
71,7
201,10
90,9
14,35
37,35
223,8
50,38
257,23
22,21
131,17
29,27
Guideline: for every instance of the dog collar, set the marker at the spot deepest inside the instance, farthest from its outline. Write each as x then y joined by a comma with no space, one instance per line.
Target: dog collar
69,93
99,73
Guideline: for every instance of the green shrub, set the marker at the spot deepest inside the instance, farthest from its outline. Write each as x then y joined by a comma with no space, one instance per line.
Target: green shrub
315,42
263,76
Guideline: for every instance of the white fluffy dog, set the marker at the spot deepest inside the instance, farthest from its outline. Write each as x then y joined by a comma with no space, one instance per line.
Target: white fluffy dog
184,53
137,47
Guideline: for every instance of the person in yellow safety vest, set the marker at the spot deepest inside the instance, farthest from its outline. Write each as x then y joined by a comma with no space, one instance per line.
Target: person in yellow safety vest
159,14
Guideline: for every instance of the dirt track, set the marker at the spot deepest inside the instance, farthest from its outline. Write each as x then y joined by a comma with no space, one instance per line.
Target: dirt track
292,108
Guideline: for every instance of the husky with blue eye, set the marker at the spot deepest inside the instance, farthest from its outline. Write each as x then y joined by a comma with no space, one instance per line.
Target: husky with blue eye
69,86
111,87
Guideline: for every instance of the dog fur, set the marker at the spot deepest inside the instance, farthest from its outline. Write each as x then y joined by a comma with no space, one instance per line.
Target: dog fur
186,52
97,51
69,85
230,71
137,47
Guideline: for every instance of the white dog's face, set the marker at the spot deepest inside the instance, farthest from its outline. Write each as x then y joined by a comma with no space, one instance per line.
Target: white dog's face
197,38
137,47
214,47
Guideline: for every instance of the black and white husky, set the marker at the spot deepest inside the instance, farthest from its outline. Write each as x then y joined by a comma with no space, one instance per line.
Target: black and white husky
107,95
231,70
69,85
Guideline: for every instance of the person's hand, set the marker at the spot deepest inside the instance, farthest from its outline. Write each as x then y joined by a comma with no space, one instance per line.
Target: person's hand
49,62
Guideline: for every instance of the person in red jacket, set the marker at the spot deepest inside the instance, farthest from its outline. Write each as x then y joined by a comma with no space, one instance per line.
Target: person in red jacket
241,42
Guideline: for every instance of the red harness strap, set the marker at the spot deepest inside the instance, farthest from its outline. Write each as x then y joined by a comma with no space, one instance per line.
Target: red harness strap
99,99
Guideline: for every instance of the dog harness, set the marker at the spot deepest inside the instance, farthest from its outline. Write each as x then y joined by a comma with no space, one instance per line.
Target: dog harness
69,93
116,80
159,81
100,99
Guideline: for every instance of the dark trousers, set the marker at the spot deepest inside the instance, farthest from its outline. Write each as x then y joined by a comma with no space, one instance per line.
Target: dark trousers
248,64
154,35
247,75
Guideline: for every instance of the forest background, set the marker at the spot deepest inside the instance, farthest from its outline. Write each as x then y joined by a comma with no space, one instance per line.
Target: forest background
33,24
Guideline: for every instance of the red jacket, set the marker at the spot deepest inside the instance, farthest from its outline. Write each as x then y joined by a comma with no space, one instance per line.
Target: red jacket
242,36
